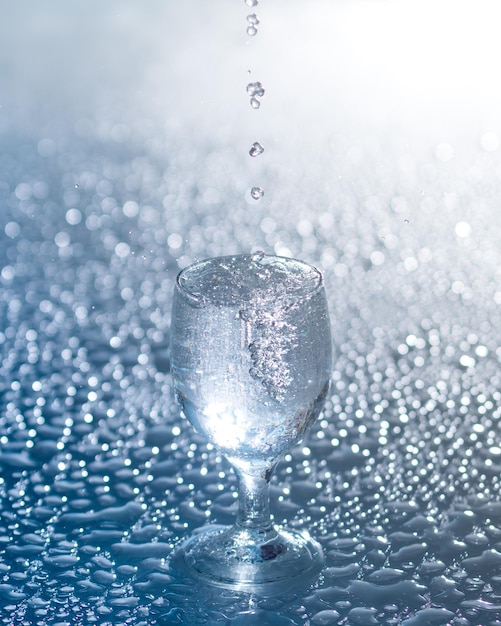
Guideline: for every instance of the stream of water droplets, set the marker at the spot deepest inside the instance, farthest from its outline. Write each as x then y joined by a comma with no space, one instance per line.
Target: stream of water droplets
255,91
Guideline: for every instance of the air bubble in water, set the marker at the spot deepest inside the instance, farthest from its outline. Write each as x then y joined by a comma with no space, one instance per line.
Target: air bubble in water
257,193
256,149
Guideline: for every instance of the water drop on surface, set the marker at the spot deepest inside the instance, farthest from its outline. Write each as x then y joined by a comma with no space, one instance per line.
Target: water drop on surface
251,3
256,149
251,31
255,103
257,192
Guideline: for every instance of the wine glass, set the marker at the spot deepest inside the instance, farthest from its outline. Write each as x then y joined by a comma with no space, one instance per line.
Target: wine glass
251,364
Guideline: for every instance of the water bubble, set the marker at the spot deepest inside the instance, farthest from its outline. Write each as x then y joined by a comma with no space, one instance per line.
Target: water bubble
256,149
257,193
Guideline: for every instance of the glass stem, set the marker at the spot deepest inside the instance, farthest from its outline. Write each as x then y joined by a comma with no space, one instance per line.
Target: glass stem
253,500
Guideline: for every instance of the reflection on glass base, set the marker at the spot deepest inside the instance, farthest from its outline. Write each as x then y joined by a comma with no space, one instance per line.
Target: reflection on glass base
256,561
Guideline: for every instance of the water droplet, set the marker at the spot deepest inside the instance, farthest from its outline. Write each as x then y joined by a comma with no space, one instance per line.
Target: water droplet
253,22
257,256
255,89
251,3
256,149
257,192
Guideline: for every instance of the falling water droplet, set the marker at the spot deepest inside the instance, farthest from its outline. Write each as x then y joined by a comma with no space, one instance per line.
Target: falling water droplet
256,149
257,193
255,89
253,22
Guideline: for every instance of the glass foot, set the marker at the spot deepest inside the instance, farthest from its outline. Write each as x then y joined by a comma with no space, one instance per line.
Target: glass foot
269,561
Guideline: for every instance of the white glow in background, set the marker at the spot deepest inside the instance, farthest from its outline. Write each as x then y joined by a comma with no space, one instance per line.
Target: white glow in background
389,64
326,65
369,62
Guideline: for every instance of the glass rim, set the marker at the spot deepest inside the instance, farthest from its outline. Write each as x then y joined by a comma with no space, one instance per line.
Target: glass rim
294,297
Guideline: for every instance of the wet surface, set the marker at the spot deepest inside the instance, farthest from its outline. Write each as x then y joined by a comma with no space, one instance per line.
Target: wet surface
100,477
